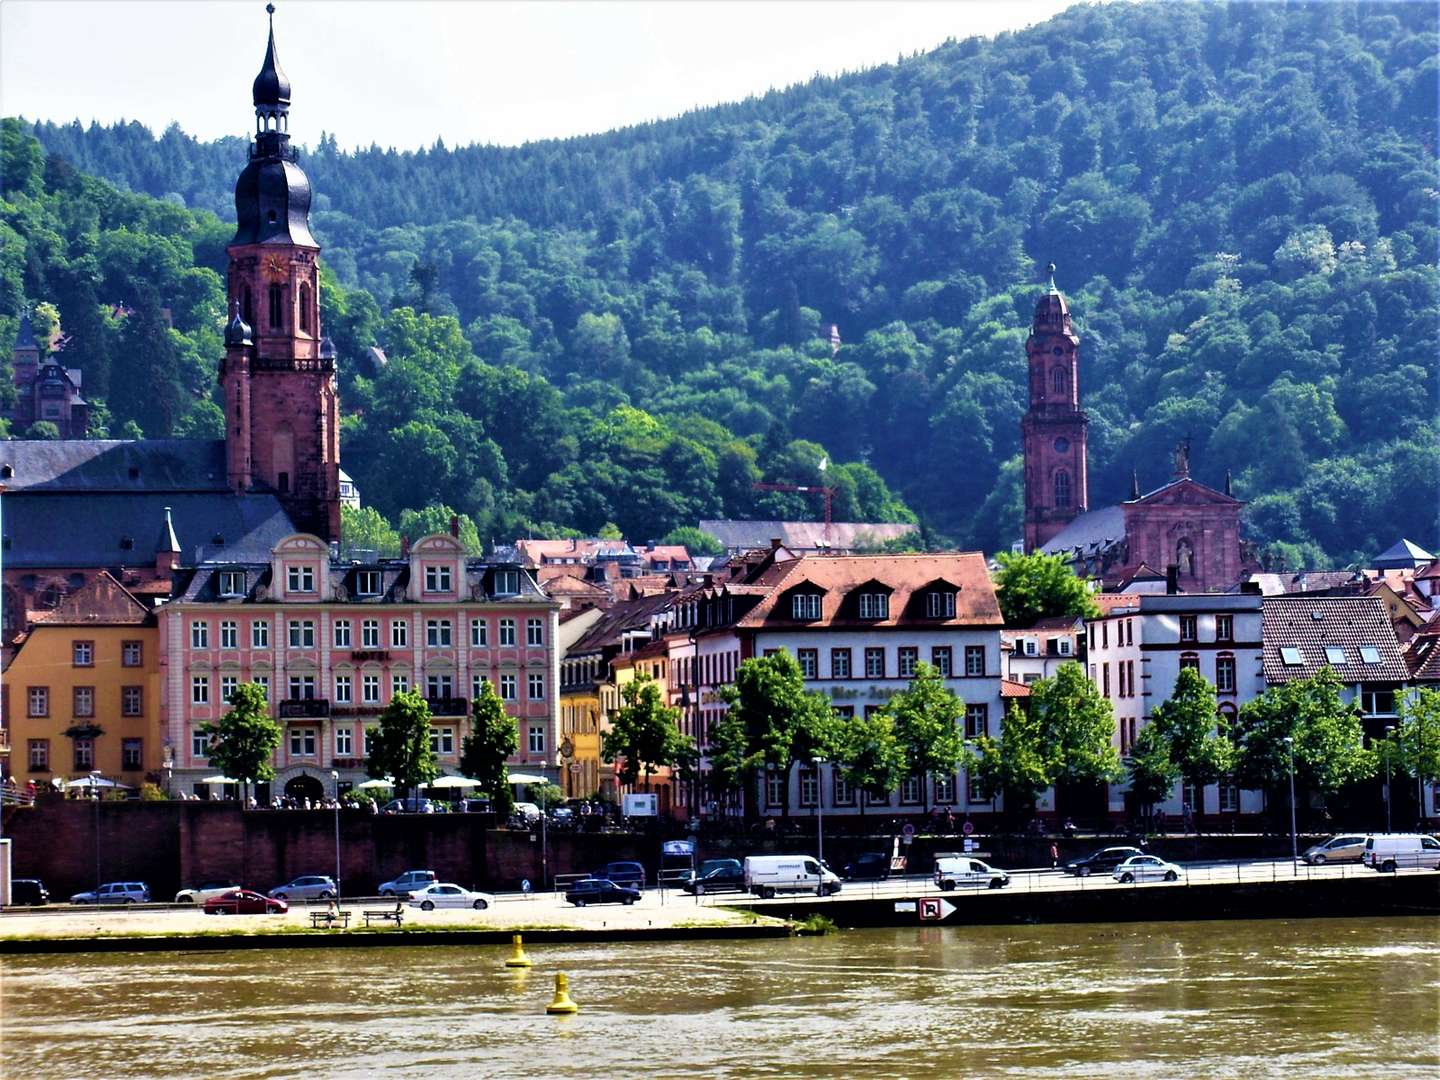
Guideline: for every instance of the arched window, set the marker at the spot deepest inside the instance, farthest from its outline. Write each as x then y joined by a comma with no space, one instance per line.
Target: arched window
305,308
1062,488
277,307
1060,380
1190,660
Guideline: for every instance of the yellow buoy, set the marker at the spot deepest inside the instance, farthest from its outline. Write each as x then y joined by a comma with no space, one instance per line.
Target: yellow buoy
518,959
562,1005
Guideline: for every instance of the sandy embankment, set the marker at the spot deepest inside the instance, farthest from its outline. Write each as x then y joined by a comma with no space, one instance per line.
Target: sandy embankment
507,914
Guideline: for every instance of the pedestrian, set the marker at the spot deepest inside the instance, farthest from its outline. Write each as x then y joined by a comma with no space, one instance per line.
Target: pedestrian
1054,855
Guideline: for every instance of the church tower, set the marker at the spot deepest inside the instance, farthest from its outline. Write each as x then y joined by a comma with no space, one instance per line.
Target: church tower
282,422
1053,430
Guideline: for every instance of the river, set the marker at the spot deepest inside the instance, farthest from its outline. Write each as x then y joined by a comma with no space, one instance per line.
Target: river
1307,998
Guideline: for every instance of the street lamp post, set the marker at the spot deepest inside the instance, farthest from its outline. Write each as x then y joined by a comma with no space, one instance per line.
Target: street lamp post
819,818
335,778
95,794
1294,845
1389,730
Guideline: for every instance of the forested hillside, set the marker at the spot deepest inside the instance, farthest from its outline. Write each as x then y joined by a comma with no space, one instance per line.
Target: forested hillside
1241,200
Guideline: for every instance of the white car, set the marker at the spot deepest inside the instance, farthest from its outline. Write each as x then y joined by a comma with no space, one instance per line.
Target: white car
202,893
1146,868
445,894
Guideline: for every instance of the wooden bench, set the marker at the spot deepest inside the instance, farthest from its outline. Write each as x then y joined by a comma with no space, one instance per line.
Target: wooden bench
329,920
395,915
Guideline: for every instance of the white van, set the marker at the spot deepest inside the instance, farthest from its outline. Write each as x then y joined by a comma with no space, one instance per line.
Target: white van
766,875
962,870
1388,852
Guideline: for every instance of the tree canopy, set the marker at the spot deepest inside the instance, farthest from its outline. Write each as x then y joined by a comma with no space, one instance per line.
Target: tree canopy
244,739
400,746
1034,587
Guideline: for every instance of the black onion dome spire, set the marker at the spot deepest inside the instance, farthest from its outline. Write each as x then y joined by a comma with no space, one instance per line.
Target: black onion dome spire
1052,313
237,331
271,87
272,195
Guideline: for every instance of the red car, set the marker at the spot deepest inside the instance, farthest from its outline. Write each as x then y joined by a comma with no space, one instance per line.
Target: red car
244,902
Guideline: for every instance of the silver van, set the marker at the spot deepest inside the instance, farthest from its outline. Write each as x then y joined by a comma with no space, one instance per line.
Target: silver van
1349,847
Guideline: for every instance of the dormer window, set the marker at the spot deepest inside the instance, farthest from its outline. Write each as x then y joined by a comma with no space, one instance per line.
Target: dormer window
367,582
437,579
940,605
1064,646
1032,647
805,606
874,605
507,582
232,583
300,579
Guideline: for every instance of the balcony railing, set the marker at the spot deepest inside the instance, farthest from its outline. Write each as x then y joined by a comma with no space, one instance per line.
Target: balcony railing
304,708
448,706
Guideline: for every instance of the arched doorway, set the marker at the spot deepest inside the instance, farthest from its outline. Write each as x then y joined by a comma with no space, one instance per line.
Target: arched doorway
304,786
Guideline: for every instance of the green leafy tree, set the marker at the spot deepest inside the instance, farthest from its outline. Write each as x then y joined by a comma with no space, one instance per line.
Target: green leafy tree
868,755
365,529
1151,771
772,722
1419,734
400,746
1327,737
1191,724
644,733
545,795
1015,765
926,715
43,429
1033,587
436,519
1079,727
494,737
694,541
245,738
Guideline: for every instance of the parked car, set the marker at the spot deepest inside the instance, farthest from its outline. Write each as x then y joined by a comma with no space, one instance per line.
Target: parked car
1349,847
115,892
623,873
445,894
306,887
412,804
201,893
28,891
767,875
244,902
717,875
871,866
600,891
1101,862
402,886
962,871
1388,852
562,817
1146,868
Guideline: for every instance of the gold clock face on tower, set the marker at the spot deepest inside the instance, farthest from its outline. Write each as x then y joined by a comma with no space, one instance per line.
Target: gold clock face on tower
275,265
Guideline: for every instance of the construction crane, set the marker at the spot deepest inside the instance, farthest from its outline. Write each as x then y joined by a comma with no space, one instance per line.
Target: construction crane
806,489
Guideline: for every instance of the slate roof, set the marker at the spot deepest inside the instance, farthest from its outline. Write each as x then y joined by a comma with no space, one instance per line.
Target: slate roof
1304,581
1403,553
807,535
1311,623
622,617
907,577
1090,532
129,465
57,528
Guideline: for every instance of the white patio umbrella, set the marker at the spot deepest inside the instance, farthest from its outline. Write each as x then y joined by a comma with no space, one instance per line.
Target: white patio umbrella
95,782
217,779
526,778
373,785
454,782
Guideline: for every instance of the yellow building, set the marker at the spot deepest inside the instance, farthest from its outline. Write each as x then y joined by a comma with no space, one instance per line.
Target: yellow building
585,774
82,693
651,661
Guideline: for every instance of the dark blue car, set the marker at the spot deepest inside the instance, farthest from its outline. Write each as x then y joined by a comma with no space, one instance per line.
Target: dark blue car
600,891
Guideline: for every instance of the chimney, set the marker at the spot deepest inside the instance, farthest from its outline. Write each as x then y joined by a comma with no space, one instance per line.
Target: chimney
1172,579
455,526
404,547
775,543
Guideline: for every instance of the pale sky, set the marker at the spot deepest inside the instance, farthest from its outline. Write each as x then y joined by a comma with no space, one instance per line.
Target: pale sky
403,73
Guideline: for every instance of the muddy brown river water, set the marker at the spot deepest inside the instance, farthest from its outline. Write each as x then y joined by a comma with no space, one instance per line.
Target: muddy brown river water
1343,997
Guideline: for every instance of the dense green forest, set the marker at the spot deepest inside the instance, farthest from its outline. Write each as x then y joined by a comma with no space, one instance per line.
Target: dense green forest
630,327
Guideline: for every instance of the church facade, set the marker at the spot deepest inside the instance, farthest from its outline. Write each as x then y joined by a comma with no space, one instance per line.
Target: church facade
1185,531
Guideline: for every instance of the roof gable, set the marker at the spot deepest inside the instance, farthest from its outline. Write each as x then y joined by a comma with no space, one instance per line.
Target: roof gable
1184,492
102,601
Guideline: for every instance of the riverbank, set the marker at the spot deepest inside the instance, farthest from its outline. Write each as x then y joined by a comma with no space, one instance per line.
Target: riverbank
540,919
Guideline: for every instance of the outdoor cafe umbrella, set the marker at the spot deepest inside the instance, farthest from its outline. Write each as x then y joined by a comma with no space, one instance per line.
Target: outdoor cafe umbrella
218,779
95,782
526,778
454,782
370,785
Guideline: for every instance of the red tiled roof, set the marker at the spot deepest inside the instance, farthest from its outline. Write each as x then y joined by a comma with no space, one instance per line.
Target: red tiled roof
907,576
1310,624
1108,602
102,601
1009,688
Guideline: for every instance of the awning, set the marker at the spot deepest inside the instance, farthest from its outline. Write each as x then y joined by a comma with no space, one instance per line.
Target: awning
527,778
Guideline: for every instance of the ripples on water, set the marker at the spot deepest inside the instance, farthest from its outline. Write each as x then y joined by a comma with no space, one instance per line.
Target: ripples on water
1308,998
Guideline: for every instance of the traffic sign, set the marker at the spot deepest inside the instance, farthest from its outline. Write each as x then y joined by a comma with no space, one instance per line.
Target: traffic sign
933,909
968,828
576,767
908,830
